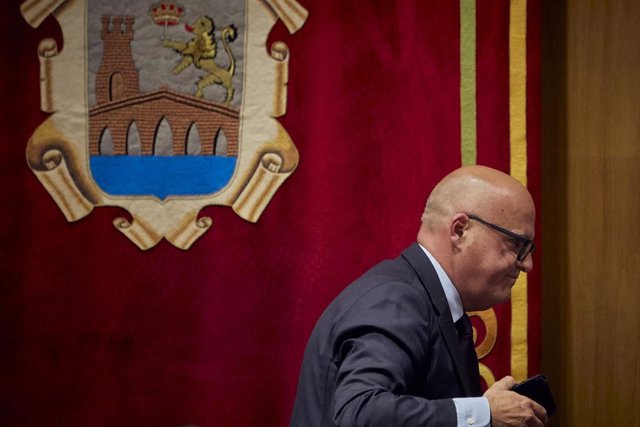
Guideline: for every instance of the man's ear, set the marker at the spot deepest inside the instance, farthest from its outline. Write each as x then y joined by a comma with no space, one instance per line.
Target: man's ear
457,229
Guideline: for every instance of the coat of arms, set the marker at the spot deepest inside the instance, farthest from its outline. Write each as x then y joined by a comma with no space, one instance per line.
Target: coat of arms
163,109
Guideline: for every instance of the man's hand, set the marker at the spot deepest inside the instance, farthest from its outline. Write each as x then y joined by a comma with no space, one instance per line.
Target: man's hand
509,408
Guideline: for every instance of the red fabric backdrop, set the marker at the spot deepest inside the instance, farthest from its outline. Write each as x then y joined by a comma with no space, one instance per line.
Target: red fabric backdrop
95,332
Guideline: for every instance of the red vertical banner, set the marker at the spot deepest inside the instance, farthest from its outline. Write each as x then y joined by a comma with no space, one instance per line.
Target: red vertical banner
382,100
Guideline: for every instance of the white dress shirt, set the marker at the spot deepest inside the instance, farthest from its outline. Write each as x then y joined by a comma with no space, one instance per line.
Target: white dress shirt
471,411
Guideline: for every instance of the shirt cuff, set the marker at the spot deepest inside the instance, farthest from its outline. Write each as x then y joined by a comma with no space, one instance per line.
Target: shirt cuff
472,411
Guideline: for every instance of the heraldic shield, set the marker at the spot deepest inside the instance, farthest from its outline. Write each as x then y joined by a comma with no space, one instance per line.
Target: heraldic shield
163,108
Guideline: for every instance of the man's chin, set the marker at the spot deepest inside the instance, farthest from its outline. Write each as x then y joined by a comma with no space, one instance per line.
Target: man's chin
500,296
505,296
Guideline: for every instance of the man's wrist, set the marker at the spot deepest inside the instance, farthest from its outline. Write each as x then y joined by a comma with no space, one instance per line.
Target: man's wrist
472,411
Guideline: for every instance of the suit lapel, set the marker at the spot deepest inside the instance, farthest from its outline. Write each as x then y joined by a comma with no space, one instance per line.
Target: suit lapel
429,278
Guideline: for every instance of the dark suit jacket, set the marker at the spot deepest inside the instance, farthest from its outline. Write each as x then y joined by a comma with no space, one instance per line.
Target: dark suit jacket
384,353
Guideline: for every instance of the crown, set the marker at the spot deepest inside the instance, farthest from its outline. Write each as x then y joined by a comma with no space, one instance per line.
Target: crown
166,13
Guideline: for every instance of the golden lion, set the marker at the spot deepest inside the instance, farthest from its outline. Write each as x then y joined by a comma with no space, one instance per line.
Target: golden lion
201,51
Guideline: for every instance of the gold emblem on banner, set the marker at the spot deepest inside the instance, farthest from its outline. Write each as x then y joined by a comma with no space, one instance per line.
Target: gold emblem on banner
489,320
163,109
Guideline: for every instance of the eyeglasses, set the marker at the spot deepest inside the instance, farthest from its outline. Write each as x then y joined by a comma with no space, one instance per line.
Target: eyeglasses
525,246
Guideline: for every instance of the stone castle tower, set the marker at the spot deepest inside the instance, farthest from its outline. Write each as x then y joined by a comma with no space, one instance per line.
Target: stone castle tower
117,76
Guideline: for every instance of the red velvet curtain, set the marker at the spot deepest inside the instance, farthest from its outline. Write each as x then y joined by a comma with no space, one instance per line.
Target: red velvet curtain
94,331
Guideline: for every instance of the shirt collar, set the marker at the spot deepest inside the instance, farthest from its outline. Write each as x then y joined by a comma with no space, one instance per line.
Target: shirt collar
450,291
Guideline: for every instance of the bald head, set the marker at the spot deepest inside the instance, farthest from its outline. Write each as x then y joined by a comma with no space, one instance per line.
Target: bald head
477,190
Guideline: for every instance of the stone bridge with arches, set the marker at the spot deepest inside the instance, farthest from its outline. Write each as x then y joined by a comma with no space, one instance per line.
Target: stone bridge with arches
147,111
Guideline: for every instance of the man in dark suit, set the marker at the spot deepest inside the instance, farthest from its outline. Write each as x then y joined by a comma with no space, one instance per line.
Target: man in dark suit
395,347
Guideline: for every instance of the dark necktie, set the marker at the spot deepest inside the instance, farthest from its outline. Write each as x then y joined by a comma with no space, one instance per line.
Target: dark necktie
465,336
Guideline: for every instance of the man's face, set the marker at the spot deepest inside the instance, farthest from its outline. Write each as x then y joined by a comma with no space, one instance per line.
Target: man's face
489,262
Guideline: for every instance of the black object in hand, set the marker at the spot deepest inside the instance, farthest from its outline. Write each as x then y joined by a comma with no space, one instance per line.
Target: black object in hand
537,389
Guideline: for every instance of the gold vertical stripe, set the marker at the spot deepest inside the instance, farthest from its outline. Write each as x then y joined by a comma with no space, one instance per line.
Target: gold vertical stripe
469,146
468,128
518,167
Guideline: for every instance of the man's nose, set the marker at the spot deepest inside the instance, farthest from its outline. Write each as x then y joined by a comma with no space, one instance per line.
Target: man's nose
526,264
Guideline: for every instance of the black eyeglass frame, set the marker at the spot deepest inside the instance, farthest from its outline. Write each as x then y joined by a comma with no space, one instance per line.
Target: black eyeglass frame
527,248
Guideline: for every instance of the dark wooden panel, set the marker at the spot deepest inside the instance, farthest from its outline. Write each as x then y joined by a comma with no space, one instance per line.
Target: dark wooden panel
591,210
